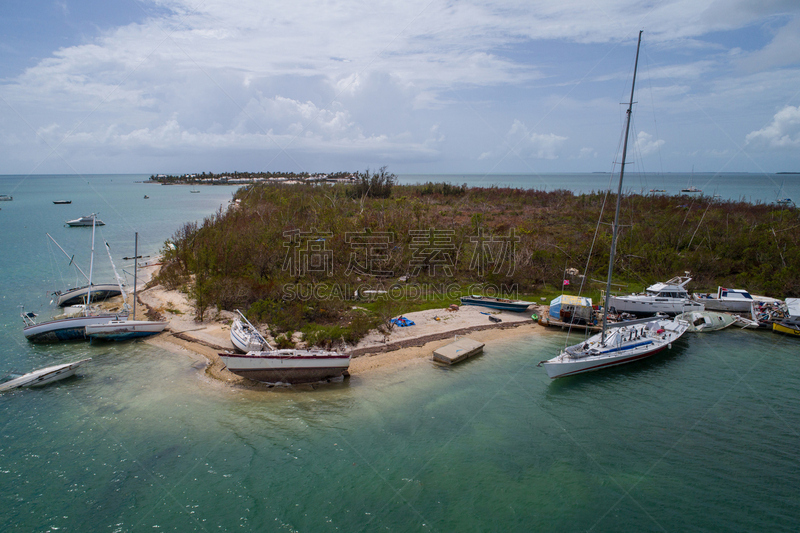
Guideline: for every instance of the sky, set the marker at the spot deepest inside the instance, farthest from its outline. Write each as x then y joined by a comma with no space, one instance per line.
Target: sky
430,86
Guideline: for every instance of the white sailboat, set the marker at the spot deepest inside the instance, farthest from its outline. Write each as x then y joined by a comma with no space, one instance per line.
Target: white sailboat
71,328
626,341
75,296
246,337
120,330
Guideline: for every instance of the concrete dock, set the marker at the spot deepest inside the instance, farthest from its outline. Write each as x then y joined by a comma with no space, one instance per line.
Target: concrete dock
458,351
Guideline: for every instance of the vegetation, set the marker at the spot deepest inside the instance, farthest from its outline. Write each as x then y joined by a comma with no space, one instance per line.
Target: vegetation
294,256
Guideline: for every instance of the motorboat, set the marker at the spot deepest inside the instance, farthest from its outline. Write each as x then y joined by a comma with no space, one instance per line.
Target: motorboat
691,189
623,342
43,376
706,320
503,304
287,365
669,297
245,337
86,221
62,202
791,324
5,198
729,300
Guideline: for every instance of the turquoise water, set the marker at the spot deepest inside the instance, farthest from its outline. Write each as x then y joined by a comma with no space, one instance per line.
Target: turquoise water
702,438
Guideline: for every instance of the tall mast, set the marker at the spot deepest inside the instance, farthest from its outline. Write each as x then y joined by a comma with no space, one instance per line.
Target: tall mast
619,195
91,266
135,269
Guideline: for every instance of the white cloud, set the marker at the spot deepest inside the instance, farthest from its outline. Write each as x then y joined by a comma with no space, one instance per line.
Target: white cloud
646,145
783,132
527,145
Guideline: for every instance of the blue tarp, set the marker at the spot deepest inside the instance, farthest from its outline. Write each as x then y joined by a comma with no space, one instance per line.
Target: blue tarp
402,322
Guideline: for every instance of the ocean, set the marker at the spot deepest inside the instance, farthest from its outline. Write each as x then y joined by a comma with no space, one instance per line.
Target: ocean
702,438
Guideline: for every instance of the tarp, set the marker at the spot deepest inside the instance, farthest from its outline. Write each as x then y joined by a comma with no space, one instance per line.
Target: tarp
567,299
402,322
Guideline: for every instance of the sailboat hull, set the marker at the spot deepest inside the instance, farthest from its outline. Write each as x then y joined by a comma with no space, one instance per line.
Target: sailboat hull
65,329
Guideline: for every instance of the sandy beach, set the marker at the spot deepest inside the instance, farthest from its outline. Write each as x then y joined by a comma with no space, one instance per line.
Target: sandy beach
403,346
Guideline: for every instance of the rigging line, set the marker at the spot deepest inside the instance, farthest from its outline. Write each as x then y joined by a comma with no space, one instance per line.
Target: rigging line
698,225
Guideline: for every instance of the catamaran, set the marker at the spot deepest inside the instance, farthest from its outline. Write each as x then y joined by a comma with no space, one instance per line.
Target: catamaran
622,342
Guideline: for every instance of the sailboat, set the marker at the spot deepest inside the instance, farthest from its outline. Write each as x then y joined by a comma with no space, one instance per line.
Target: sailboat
690,187
100,291
70,328
622,342
120,330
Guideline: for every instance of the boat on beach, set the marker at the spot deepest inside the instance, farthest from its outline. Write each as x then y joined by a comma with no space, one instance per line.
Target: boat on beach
729,300
503,304
90,220
623,342
245,337
670,297
43,376
706,320
791,324
122,330
287,365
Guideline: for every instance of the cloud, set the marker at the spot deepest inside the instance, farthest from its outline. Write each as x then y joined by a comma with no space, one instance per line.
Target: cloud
527,145
646,145
782,133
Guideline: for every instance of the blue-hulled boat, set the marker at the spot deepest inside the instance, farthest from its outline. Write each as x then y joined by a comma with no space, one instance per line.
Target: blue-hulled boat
502,304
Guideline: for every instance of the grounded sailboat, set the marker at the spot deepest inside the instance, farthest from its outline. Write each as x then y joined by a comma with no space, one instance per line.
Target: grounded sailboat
626,341
71,328
121,330
43,376
100,291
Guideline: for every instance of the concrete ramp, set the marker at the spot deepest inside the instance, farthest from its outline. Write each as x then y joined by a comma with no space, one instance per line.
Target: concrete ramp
458,351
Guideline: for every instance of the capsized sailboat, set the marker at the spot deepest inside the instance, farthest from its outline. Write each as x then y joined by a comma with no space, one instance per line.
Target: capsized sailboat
626,341
43,376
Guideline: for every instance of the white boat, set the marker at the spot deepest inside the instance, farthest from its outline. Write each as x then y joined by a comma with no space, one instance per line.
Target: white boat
86,221
78,295
730,300
121,330
5,198
245,337
706,320
43,376
70,328
669,297
623,342
287,366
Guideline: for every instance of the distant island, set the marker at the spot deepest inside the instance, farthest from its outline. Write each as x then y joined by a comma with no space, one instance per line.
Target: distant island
243,178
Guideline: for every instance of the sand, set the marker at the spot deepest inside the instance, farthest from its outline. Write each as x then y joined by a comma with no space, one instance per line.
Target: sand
402,347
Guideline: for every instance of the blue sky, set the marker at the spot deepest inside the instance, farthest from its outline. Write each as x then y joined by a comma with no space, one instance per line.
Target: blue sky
172,86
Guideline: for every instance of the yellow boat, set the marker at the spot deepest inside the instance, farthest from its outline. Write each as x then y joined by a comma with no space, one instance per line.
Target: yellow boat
790,326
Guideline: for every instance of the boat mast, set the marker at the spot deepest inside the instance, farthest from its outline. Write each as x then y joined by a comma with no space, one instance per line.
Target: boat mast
135,269
619,195
91,266
71,257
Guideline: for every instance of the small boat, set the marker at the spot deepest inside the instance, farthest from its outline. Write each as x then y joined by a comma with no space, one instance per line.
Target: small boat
245,337
288,365
623,342
669,297
62,202
194,190
5,198
146,197
706,320
43,376
691,189
86,221
658,190
788,326
502,304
